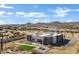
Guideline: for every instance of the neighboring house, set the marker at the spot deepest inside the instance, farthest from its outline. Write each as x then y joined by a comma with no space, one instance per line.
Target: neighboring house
47,38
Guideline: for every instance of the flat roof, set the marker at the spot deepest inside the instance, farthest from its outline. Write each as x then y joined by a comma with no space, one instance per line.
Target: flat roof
47,34
2,32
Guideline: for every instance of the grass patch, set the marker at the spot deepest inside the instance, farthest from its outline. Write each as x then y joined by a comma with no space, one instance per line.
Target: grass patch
26,47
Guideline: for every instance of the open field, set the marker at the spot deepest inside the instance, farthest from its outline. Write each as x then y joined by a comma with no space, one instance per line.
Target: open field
15,47
63,51
74,49
70,36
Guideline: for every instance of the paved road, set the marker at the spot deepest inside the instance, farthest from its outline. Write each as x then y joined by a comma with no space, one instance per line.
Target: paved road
65,30
11,39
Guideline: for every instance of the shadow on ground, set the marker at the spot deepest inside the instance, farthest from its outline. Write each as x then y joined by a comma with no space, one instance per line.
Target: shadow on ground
62,42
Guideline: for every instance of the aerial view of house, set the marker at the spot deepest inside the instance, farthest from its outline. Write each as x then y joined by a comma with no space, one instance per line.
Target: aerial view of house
39,29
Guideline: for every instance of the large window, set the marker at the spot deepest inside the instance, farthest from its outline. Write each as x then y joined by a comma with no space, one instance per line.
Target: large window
39,41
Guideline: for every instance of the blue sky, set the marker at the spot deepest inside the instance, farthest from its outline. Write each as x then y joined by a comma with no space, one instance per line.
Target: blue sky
24,13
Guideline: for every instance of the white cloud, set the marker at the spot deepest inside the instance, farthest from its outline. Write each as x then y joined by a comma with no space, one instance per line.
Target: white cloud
69,20
2,22
77,9
9,13
23,14
35,20
20,13
41,15
4,6
35,14
2,13
61,12
45,20
40,20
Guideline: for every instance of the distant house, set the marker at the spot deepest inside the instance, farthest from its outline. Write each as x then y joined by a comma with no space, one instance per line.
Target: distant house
46,38
3,33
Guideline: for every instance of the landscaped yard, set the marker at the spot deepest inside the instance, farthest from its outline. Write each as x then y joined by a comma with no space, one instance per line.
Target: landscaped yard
26,47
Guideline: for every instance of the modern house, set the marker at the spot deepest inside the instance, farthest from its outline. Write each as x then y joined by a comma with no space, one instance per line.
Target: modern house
46,38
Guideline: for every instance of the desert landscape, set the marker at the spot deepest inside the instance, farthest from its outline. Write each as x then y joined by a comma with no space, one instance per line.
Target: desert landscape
39,29
22,46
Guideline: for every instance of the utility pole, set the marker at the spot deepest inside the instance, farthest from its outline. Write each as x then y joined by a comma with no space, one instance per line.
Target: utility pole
1,44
